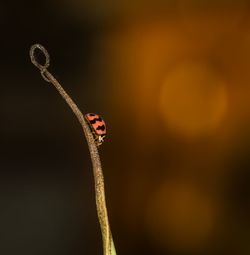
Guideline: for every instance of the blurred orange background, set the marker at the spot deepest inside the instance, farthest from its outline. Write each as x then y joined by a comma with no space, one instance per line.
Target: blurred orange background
171,79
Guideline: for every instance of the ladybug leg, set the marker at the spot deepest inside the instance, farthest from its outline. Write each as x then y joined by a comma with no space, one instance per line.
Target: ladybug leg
97,141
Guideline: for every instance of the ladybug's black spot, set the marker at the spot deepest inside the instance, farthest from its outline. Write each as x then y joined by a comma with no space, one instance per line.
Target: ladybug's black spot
95,120
101,128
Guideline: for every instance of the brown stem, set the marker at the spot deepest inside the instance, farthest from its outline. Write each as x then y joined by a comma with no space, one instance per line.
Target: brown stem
108,245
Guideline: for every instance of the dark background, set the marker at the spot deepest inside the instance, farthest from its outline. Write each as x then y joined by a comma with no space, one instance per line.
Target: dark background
171,79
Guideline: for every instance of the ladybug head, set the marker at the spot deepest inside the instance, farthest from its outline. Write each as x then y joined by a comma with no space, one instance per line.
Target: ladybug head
100,139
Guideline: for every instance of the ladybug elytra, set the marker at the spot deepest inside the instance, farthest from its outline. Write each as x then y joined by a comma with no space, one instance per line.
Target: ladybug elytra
97,126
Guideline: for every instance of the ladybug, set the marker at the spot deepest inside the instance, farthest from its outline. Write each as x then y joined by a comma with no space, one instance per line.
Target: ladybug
97,126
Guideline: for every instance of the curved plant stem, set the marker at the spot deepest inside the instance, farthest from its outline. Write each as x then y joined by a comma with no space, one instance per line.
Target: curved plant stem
108,244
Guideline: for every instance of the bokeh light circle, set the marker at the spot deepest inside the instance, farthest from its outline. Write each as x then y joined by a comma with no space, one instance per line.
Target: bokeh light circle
180,217
193,99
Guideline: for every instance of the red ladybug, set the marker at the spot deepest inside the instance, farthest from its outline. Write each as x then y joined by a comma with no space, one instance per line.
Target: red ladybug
97,126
